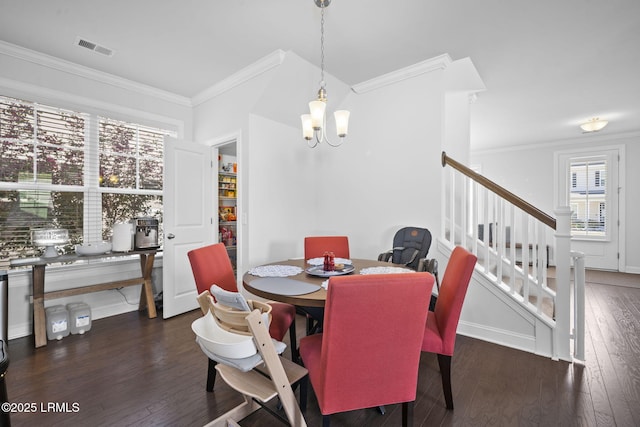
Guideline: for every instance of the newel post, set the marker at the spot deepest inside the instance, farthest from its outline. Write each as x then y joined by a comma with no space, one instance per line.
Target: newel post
562,334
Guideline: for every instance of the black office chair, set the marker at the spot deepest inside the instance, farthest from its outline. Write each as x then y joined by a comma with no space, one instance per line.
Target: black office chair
410,247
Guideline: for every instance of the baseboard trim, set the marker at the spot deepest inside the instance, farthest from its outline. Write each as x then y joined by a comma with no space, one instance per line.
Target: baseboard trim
498,336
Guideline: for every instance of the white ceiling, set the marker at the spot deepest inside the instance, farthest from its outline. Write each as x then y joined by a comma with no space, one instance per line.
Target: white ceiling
547,64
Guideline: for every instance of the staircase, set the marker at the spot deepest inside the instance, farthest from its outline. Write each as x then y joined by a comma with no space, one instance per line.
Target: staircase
523,294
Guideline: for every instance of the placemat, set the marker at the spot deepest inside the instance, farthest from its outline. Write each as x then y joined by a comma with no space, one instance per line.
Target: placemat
283,286
385,270
275,270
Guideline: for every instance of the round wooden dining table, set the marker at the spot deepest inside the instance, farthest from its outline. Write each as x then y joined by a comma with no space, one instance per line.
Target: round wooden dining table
287,289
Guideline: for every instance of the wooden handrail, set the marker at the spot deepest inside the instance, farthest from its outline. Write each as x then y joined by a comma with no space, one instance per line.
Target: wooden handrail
500,191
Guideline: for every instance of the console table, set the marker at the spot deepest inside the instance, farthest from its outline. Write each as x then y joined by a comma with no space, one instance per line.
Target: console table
38,266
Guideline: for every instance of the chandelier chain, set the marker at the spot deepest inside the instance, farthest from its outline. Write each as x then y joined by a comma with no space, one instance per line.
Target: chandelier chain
322,6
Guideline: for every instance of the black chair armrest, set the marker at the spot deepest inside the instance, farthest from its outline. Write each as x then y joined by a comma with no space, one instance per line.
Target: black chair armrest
431,266
385,256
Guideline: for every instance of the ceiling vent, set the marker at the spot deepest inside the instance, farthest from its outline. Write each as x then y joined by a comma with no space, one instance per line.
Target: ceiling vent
94,47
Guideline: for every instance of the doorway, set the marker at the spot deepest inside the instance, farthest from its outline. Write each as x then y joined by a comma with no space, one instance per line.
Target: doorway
227,199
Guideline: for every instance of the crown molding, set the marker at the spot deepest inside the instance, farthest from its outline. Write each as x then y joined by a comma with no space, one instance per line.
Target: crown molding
262,65
66,100
89,73
436,63
602,139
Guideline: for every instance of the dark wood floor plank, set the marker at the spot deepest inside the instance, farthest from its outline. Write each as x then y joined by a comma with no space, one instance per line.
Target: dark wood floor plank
624,352
607,339
593,374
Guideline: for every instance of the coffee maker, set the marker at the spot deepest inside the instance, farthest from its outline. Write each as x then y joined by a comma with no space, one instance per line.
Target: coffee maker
146,235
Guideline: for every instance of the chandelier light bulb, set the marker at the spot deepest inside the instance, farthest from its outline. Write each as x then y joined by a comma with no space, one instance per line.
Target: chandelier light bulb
342,122
307,127
317,109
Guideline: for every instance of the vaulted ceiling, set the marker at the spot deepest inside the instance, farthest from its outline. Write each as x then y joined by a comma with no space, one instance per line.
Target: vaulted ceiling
548,65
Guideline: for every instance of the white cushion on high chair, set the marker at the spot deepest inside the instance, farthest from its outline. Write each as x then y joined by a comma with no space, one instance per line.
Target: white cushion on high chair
220,342
227,347
245,364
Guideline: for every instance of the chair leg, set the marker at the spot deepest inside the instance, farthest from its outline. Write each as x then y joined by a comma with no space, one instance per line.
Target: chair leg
295,356
445,372
314,318
303,393
211,374
407,414
313,325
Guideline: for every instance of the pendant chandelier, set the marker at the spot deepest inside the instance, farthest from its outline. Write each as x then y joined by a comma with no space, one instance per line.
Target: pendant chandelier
314,124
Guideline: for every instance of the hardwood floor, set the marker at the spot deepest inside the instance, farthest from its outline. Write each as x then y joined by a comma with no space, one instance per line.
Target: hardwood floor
131,370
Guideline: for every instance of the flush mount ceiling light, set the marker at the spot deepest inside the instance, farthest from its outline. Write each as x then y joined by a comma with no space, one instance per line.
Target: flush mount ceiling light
593,125
314,124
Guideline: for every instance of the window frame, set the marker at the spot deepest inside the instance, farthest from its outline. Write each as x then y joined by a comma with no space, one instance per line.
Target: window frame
589,196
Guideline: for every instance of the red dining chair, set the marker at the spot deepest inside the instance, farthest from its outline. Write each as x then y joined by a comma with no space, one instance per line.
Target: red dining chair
440,332
315,247
211,265
352,370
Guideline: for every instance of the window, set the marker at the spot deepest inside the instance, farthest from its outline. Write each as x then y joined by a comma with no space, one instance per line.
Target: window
588,196
130,172
56,174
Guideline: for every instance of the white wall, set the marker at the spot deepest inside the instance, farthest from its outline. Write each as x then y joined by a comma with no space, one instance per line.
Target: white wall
387,173
385,176
282,186
275,167
529,173
57,277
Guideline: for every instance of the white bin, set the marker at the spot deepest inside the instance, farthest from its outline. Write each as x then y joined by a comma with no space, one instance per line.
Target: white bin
57,322
79,317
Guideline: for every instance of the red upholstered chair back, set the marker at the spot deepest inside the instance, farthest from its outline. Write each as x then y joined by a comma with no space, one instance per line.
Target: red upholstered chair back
451,297
316,246
373,330
211,264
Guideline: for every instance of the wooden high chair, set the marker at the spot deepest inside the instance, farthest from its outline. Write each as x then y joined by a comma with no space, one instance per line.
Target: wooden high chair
274,376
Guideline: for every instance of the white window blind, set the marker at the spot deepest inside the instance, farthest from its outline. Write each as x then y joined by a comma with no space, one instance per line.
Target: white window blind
73,170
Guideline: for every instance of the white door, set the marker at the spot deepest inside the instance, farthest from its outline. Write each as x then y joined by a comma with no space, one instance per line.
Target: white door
590,185
188,219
